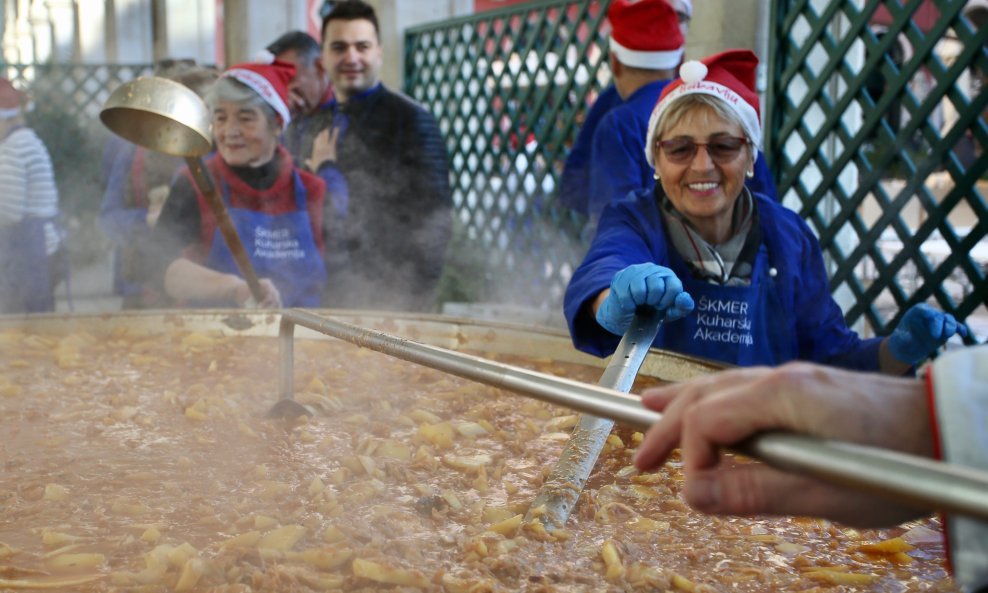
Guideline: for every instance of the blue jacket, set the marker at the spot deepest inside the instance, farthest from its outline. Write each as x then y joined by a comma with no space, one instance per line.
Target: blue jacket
574,183
618,164
792,314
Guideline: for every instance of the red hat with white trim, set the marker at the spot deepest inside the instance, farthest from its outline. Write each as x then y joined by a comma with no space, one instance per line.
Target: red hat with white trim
270,81
645,34
729,76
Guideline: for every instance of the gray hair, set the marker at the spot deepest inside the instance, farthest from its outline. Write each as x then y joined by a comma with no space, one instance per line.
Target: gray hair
231,90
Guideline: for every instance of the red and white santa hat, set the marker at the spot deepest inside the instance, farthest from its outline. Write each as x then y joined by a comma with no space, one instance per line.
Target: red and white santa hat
270,81
729,76
11,99
645,34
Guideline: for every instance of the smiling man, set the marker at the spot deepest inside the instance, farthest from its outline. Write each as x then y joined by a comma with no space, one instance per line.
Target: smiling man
390,224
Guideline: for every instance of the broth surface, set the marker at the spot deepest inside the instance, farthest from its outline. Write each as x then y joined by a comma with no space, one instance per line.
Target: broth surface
145,463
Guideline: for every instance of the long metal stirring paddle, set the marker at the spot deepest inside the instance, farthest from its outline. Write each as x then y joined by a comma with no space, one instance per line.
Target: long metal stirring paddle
916,481
561,490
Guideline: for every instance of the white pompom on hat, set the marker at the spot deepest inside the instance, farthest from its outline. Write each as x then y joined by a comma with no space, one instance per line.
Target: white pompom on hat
729,76
264,57
645,34
270,81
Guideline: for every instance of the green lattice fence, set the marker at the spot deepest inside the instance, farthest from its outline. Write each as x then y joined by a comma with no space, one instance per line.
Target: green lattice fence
79,89
877,136
67,100
510,88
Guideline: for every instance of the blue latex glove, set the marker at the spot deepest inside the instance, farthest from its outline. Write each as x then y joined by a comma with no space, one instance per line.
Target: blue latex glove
922,330
643,285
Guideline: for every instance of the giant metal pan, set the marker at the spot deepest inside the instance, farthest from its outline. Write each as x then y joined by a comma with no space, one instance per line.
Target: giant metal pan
965,490
439,330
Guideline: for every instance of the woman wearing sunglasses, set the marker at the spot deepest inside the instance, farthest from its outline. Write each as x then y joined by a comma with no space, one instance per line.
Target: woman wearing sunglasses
739,278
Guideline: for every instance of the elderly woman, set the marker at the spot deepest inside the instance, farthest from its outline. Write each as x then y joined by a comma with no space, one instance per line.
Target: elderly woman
276,207
739,278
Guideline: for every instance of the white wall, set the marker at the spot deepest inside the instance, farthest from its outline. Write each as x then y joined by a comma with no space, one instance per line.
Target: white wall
395,16
92,36
134,37
38,30
191,28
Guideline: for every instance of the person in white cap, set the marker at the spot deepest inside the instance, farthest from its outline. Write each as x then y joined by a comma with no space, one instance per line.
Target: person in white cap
276,207
942,417
737,277
31,236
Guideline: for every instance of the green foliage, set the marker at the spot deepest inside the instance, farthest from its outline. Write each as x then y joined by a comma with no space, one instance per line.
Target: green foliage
465,275
75,146
75,152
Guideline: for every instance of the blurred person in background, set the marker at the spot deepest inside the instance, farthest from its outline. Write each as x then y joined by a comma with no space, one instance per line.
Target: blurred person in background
942,417
311,88
700,239
574,182
136,185
32,256
277,208
397,219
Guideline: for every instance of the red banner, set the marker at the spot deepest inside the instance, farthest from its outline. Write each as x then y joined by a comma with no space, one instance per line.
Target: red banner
220,58
313,20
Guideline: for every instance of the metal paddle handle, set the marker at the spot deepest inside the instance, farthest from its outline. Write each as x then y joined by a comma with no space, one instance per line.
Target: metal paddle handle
923,483
561,490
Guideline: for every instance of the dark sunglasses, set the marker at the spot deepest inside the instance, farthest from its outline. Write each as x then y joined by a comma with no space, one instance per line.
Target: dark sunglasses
722,150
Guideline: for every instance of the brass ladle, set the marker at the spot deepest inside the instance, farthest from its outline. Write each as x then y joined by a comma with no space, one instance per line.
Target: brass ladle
166,116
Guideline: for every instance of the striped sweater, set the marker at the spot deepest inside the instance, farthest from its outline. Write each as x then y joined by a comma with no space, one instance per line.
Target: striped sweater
27,183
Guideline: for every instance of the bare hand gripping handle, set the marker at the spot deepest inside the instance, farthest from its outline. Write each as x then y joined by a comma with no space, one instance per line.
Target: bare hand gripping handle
923,483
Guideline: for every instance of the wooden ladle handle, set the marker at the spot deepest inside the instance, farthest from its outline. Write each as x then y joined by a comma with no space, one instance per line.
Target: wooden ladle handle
225,225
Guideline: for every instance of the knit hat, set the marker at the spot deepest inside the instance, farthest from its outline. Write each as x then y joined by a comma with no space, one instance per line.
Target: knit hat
729,76
645,34
11,99
270,81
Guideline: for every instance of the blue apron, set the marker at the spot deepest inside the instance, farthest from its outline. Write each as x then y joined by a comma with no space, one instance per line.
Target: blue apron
25,268
742,325
280,246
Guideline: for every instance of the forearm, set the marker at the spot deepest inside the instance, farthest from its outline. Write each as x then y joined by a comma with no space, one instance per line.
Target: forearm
186,280
706,414
595,304
889,364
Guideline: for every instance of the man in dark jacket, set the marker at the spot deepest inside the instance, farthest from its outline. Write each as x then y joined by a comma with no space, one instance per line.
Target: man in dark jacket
395,211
